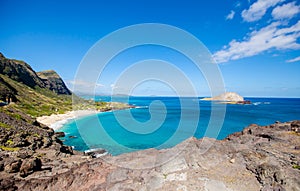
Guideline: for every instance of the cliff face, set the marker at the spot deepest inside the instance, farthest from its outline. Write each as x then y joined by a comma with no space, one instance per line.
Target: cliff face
22,72
53,82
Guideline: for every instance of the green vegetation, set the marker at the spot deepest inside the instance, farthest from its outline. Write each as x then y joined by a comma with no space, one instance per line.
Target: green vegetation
296,166
4,125
42,101
165,176
12,149
37,102
9,142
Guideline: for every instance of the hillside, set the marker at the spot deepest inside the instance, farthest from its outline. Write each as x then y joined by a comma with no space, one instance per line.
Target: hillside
36,94
26,146
53,82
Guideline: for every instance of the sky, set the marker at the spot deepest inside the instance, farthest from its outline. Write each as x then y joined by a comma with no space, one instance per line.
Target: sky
255,43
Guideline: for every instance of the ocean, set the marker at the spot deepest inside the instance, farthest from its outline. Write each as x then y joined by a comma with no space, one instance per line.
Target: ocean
163,122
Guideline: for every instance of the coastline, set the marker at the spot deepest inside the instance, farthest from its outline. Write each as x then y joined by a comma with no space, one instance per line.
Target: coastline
56,121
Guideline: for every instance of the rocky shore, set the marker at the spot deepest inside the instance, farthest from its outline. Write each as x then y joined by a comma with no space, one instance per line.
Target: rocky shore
258,158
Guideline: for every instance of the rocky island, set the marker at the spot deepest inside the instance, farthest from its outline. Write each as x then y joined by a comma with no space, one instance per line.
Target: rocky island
32,157
229,98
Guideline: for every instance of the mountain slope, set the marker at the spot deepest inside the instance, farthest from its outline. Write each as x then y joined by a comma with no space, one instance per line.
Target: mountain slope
22,72
54,82
36,94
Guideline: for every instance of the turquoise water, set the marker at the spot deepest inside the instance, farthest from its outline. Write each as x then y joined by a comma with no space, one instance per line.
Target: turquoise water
181,121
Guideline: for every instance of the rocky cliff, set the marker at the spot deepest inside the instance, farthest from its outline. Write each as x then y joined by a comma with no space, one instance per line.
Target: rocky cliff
22,72
54,82
265,158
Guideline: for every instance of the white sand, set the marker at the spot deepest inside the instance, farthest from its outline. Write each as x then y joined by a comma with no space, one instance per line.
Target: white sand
56,121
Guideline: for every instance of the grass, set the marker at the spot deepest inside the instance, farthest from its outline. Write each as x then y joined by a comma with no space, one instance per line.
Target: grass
5,125
9,142
294,133
296,167
12,149
38,102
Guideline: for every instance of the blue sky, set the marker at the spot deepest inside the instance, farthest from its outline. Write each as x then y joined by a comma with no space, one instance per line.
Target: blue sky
255,42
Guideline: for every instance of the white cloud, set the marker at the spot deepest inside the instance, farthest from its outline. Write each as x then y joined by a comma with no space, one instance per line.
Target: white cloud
273,36
230,15
286,11
294,59
84,83
258,9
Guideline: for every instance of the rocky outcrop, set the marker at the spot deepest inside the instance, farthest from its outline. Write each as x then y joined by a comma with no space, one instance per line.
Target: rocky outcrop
22,72
258,158
27,146
228,96
54,82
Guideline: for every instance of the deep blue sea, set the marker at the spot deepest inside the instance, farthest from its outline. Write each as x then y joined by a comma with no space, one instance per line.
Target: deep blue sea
170,120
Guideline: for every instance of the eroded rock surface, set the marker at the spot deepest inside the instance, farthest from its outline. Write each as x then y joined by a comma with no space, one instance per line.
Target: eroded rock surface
258,158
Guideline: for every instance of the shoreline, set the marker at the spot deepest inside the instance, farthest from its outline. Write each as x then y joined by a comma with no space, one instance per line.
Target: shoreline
56,121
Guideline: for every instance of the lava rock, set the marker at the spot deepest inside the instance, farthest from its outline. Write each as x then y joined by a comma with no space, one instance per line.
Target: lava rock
29,166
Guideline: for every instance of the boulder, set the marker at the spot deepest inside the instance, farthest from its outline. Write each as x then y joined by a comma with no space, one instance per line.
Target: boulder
13,166
29,166
60,134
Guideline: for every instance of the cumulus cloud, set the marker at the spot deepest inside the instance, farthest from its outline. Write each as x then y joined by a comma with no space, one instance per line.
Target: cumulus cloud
294,59
273,36
258,9
230,15
286,11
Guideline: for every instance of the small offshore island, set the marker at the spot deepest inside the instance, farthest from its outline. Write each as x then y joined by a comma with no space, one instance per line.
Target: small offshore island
32,157
228,98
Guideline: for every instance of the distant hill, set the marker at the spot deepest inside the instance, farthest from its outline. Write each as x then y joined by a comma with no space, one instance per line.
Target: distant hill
22,72
228,96
35,93
54,82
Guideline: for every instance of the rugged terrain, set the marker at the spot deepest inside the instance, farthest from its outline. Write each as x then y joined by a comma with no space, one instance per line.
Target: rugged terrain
258,158
33,158
26,146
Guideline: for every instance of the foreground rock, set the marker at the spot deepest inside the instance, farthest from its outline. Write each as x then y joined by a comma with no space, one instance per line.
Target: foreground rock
258,158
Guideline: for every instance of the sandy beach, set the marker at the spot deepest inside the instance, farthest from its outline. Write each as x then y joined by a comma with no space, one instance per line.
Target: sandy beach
56,121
